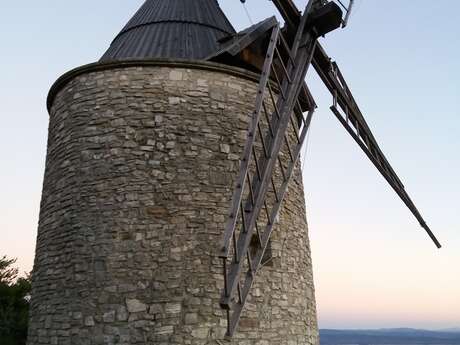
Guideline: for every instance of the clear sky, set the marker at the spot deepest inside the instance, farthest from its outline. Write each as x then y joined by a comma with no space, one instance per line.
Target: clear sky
374,267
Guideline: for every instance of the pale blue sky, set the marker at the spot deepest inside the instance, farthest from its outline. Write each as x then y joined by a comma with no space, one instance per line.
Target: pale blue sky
373,265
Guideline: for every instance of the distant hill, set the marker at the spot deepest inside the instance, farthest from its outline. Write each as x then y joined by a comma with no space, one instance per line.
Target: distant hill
454,330
397,336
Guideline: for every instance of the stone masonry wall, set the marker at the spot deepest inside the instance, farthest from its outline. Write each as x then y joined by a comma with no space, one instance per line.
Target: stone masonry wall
139,174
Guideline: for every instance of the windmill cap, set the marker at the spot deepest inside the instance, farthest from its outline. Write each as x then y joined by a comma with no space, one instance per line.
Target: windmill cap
171,29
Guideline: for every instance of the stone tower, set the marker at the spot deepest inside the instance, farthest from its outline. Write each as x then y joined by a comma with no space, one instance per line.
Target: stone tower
143,151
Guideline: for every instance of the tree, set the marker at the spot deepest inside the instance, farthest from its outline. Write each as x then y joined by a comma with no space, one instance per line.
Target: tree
14,304
8,274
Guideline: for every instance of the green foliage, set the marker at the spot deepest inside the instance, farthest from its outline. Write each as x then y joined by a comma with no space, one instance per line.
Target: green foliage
14,304
8,274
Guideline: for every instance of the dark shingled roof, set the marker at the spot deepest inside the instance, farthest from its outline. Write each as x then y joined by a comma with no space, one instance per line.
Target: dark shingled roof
188,29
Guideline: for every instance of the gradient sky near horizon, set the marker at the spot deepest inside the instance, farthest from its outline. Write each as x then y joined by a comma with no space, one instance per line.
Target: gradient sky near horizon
373,265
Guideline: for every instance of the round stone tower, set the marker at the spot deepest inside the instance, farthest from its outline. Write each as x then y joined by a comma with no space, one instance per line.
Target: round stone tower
143,153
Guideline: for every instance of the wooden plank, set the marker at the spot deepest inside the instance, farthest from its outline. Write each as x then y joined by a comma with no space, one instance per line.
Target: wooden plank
289,12
246,38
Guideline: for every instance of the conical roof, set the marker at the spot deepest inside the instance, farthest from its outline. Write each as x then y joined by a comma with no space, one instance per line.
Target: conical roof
188,29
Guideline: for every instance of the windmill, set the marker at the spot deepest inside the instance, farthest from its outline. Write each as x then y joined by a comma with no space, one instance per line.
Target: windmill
277,130
147,147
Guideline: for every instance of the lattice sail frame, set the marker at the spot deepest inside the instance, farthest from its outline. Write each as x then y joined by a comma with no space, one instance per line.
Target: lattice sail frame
351,117
276,133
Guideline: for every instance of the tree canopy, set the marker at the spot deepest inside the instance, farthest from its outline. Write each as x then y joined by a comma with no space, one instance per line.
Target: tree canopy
14,303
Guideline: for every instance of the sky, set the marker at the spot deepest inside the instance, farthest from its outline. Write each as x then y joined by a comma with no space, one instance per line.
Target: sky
373,265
